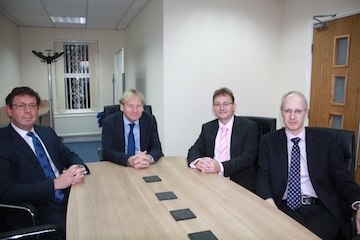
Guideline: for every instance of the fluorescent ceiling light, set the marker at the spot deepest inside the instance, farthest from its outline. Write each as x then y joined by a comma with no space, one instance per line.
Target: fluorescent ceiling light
76,20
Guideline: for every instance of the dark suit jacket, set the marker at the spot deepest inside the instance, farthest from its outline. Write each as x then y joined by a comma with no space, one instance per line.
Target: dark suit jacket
243,150
22,178
327,171
113,138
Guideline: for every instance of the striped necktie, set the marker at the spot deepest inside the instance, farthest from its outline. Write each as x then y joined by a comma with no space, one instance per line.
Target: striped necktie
224,144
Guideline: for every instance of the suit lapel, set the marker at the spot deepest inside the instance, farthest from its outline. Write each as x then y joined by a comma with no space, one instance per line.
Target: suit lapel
283,154
235,135
25,149
310,151
119,128
214,127
143,129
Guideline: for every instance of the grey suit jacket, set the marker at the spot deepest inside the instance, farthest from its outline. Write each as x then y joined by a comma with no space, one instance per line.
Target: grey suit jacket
243,150
327,171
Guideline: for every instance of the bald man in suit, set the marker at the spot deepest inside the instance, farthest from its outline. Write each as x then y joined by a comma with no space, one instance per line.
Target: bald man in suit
325,186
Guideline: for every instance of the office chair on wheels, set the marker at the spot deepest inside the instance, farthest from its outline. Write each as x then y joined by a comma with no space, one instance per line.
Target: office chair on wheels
346,141
44,231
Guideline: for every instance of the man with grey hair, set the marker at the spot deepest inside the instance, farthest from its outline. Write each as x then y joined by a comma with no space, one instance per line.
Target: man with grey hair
130,136
302,172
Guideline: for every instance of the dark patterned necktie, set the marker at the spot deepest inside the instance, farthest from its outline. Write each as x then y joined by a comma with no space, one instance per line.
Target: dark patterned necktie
45,164
294,188
131,141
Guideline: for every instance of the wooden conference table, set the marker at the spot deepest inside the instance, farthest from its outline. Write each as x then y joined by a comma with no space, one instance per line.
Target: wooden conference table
114,202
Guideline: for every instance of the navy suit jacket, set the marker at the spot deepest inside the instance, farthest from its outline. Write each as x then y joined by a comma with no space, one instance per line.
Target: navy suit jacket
113,138
327,170
243,150
22,178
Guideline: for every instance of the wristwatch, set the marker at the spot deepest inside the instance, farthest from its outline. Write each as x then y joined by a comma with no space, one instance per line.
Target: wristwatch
84,169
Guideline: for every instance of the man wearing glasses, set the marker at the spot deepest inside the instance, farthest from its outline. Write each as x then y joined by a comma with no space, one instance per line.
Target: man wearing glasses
35,166
130,137
302,172
228,144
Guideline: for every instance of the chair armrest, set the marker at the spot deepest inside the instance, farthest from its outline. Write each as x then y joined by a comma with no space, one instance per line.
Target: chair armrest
27,207
42,230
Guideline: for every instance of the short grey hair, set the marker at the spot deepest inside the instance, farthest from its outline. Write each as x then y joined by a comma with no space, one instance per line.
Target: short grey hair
306,107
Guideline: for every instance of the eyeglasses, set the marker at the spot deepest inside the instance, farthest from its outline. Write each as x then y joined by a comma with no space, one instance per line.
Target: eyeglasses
225,104
297,112
22,106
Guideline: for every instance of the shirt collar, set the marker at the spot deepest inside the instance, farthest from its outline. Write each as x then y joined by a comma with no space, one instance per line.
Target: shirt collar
229,124
127,121
301,135
20,131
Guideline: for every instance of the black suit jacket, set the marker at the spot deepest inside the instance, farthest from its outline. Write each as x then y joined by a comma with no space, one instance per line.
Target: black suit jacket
243,150
327,170
113,138
22,178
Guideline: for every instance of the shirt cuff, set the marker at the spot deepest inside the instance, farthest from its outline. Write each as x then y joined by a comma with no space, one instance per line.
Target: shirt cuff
192,164
152,159
354,205
221,169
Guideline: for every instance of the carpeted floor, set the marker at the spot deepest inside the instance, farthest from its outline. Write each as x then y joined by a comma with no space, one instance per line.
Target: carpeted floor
87,151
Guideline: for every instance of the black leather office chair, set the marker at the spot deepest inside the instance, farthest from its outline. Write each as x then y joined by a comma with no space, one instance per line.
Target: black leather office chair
265,125
346,141
34,232
108,110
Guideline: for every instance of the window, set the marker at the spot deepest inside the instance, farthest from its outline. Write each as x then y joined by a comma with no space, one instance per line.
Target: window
77,77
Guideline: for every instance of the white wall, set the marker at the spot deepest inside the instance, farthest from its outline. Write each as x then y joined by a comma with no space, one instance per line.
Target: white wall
144,58
35,73
209,44
260,49
9,58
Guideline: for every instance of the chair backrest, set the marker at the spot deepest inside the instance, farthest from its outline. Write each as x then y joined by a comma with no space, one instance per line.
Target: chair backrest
115,108
265,125
346,141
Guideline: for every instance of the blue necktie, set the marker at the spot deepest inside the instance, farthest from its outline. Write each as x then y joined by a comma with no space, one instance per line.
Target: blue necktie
45,164
294,188
131,141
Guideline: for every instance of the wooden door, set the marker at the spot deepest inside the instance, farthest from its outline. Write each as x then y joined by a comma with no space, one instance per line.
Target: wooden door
335,78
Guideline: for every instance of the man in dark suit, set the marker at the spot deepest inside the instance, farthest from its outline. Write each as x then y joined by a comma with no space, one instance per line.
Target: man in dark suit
23,177
117,132
227,145
322,178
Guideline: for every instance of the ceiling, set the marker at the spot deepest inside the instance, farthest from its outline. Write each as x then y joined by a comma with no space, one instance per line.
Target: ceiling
100,14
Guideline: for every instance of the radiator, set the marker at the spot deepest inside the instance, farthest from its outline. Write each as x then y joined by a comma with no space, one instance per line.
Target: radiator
76,125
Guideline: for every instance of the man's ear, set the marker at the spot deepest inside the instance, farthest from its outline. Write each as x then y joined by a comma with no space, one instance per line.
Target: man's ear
8,111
